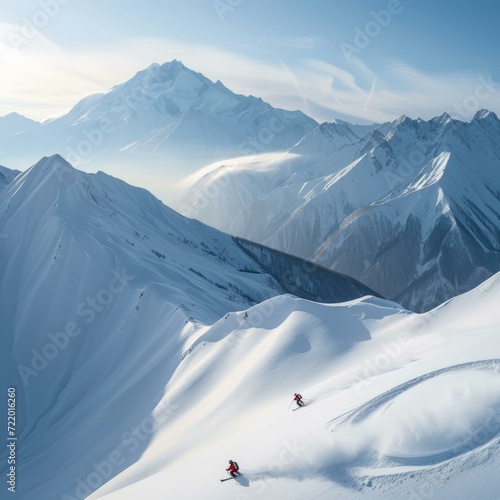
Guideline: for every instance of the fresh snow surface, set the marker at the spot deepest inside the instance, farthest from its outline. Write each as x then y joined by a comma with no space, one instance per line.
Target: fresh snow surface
104,292
399,405
138,375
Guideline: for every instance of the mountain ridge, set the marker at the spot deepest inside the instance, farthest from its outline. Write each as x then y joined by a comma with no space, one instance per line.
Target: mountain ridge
103,292
167,118
345,203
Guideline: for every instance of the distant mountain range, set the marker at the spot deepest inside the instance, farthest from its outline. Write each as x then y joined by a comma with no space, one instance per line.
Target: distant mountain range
140,344
167,121
410,208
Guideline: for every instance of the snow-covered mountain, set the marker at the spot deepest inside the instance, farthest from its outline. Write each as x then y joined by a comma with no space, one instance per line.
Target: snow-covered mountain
398,405
145,348
104,291
166,121
411,208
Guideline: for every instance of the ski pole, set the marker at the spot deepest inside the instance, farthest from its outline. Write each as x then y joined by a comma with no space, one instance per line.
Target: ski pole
290,404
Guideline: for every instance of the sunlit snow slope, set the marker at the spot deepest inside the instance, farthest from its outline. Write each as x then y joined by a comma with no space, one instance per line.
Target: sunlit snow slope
104,290
399,405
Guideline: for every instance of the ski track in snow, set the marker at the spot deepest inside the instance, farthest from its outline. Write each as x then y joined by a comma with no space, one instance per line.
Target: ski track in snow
370,407
387,471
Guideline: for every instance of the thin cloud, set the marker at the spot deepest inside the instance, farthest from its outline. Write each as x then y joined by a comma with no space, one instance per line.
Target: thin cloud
370,95
40,79
300,42
399,89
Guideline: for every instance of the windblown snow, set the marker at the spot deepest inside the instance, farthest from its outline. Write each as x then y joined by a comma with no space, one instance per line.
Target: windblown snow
411,208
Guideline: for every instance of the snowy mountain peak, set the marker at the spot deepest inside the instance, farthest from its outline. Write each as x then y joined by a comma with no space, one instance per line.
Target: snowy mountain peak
175,63
171,79
484,114
405,122
144,103
49,182
166,72
15,116
15,119
169,71
165,115
373,140
402,119
49,166
444,119
402,125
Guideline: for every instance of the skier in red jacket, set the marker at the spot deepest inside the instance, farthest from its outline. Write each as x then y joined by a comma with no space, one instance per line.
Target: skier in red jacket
233,468
298,398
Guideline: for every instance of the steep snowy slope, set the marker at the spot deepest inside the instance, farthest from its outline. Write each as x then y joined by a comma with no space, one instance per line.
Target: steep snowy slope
399,405
166,121
103,291
412,213
7,175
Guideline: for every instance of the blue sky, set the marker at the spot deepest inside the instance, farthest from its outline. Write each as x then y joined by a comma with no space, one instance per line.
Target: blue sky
358,60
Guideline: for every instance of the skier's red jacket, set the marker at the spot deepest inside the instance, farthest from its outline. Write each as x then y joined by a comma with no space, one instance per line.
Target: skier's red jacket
297,397
232,467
